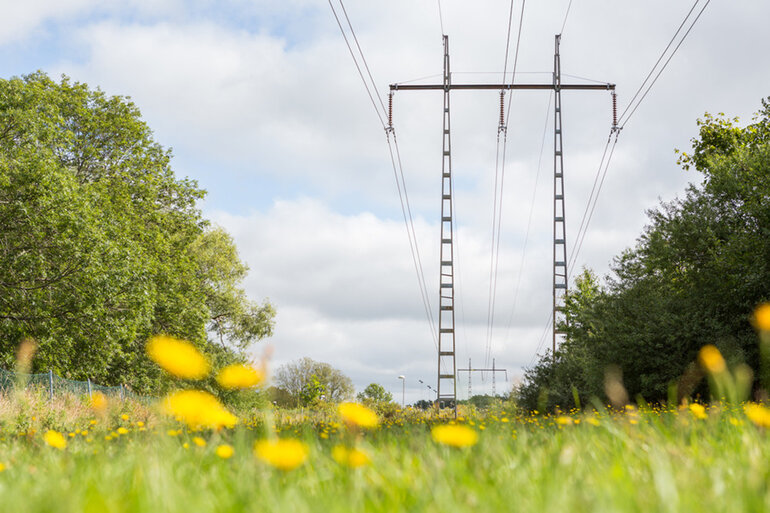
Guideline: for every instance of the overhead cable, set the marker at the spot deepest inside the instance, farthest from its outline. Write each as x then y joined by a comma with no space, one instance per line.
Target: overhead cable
633,106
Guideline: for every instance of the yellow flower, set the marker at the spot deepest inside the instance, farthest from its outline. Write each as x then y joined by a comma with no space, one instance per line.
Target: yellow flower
710,357
358,415
239,376
593,421
225,451
98,403
199,409
762,317
564,420
353,458
758,414
2,467
122,431
454,435
200,442
698,411
55,439
285,454
178,357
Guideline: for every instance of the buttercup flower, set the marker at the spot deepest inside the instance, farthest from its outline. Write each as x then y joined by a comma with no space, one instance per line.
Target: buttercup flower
762,317
55,439
698,411
199,409
285,454
225,451
239,376
710,357
354,457
98,403
358,414
178,357
454,435
758,414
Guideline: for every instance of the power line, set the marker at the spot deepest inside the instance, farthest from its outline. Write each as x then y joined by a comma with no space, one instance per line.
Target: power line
396,163
596,200
573,254
623,118
353,32
358,67
441,17
497,216
529,219
566,15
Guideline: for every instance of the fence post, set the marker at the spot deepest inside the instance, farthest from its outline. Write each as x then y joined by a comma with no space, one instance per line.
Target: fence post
50,383
122,396
89,387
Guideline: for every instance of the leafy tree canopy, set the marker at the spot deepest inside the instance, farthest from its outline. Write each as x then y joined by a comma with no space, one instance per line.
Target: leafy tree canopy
102,246
374,393
694,277
302,381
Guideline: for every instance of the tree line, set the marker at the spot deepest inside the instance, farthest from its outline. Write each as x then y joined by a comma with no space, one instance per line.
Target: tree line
103,246
693,278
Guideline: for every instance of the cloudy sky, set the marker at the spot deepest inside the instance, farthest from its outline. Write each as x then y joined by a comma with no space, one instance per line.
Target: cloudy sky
262,104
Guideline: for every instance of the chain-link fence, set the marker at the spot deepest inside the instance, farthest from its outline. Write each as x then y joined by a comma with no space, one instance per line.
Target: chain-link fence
52,384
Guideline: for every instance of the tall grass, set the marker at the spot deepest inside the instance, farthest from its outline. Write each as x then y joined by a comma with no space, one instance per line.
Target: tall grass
650,460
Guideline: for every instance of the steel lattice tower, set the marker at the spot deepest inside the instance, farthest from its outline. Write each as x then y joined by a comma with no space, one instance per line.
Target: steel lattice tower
559,224
447,367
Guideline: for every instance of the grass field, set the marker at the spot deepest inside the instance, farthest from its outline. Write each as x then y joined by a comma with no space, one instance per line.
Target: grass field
130,459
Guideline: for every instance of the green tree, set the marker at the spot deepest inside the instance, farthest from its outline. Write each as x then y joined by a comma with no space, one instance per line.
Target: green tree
693,278
292,378
374,393
101,245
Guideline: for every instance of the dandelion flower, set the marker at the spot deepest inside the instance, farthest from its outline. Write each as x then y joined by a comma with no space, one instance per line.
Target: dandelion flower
758,414
178,357
199,409
710,357
698,411
353,458
122,431
762,317
564,420
98,403
454,435
55,439
284,454
2,467
239,376
358,415
200,442
225,451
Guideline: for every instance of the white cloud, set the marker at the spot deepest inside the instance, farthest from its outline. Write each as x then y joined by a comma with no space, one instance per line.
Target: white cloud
272,97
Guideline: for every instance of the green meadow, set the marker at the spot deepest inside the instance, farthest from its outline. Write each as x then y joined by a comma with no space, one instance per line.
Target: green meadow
130,459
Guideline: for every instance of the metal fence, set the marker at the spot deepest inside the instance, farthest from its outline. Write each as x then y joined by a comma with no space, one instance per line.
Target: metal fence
50,383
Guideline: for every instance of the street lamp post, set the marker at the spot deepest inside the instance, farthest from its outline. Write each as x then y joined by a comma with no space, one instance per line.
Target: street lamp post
403,389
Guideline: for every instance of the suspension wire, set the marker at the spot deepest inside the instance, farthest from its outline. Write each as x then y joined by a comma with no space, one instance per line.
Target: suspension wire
358,67
508,40
569,6
573,254
542,339
497,216
353,32
596,199
441,17
397,171
529,220
623,118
